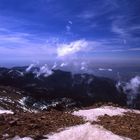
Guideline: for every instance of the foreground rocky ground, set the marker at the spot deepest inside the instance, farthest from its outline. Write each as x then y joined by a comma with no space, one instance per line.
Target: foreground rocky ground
127,125
37,125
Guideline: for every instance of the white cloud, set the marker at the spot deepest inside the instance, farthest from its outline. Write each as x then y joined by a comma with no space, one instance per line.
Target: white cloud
133,85
30,67
63,64
102,69
45,71
71,48
131,89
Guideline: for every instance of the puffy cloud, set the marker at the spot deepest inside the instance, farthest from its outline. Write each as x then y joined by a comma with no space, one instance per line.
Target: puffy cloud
131,88
133,85
43,70
71,48
63,64
30,67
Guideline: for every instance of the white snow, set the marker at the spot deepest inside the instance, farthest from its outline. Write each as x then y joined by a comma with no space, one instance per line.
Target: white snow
6,112
18,138
93,114
89,131
6,99
85,132
22,101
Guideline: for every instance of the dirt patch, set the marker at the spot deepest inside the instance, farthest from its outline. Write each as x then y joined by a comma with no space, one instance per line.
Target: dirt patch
127,125
35,125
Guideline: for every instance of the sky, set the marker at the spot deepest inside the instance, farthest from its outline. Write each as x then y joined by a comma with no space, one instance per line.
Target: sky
51,30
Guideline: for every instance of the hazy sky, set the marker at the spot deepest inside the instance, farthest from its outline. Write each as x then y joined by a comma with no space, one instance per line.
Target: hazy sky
39,30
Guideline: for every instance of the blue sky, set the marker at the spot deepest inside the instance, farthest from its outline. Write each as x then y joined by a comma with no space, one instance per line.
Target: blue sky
42,30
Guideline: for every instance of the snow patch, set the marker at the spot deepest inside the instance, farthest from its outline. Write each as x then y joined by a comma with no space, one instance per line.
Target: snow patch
6,112
6,99
22,101
85,132
18,138
93,114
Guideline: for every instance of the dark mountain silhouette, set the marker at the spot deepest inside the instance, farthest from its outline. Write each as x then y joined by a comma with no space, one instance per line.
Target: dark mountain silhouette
85,89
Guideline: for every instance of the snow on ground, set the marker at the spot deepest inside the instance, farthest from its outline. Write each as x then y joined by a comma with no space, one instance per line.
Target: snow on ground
6,112
85,132
18,138
89,131
93,114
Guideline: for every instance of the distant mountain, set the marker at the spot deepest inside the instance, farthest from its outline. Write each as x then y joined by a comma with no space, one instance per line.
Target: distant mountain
83,89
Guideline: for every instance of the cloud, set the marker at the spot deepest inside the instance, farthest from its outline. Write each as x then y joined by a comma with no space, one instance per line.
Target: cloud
3,30
125,27
71,48
98,9
132,89
68,28
30,67
13,38
134,49
70,22
134,85
18,45
63,64
26,46
118,30
86,15
43,70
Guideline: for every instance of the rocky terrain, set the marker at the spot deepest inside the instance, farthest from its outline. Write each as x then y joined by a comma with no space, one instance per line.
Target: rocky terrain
106,121
127,125
35,125
42,105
